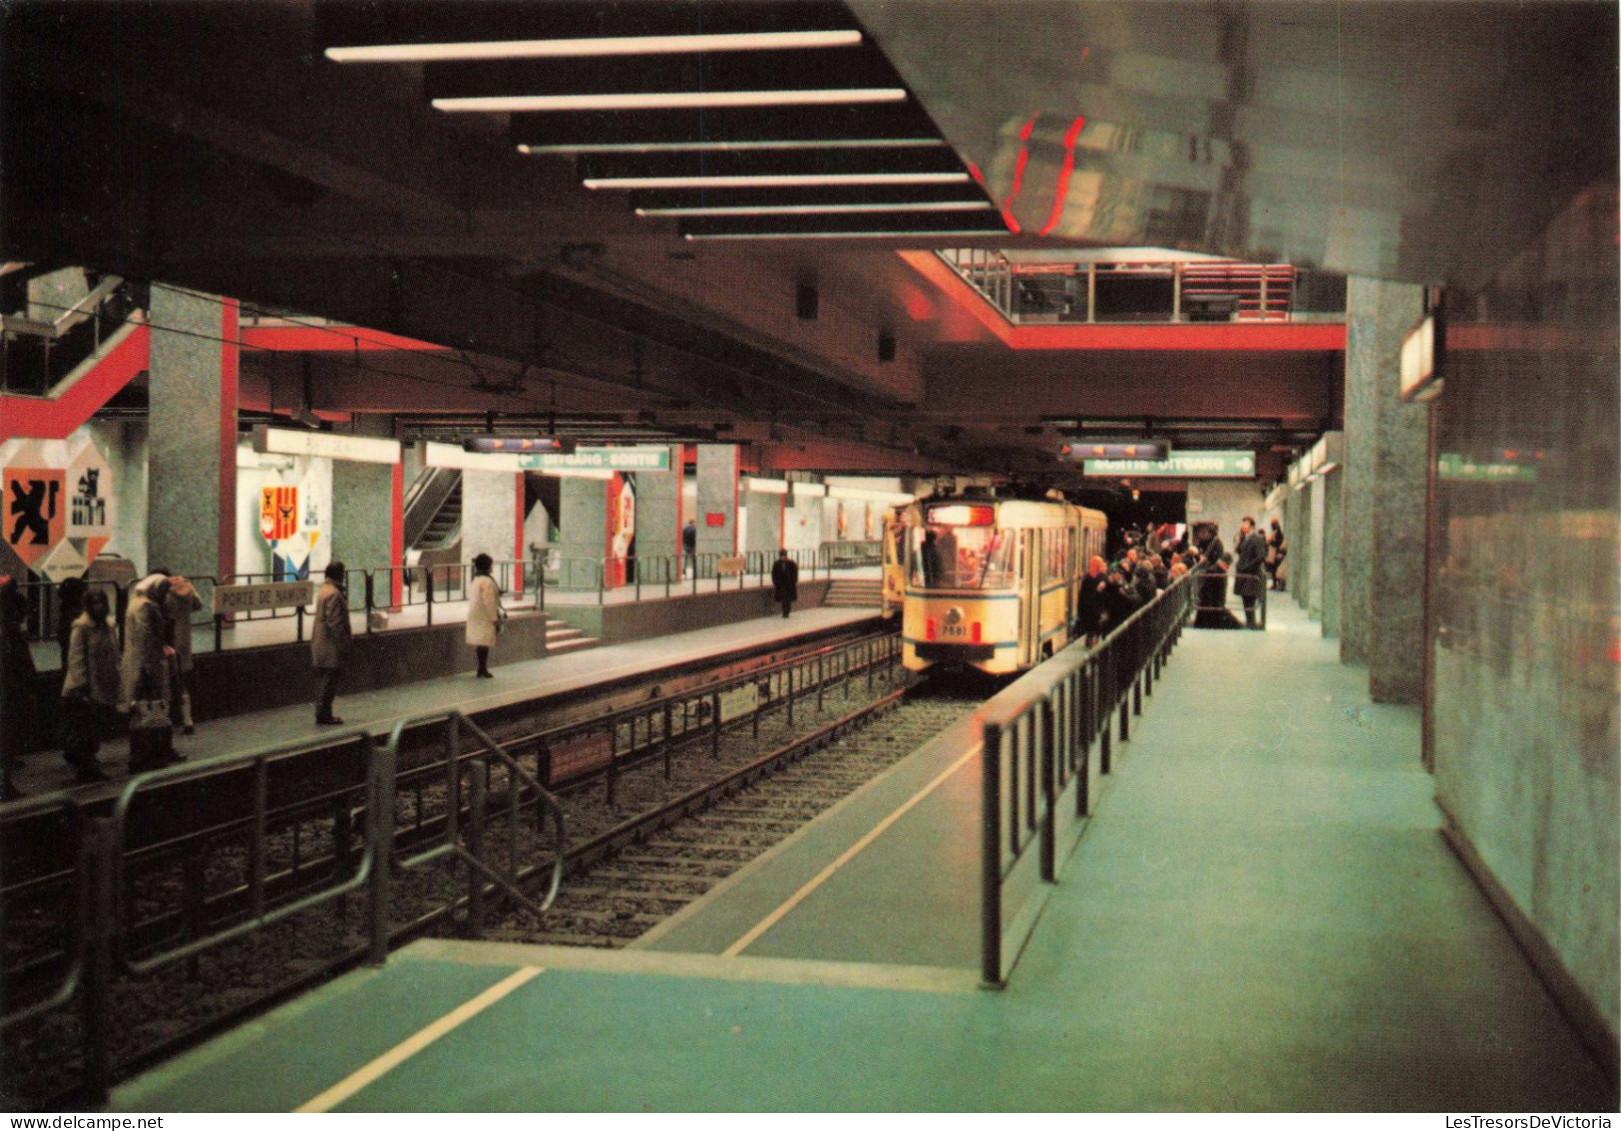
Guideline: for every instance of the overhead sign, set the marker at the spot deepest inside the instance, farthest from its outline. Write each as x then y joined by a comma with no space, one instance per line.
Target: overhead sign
1114,449
269,595
1181,465
645,458
1462,469
521,445
332,445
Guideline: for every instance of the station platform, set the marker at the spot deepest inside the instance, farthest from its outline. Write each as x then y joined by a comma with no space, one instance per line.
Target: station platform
520,681
1261,916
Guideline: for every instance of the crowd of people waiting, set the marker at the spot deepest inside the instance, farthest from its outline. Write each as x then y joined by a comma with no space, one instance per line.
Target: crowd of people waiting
147,678
1151,561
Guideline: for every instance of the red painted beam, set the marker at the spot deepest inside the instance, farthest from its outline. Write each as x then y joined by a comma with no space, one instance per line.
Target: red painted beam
55,418
1298,336
325,339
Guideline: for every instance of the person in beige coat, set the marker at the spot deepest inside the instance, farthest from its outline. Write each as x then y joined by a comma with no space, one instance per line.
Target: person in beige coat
179,606
484,613
329,641
146,635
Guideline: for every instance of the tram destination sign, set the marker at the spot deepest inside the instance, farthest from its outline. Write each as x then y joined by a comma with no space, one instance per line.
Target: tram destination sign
267,595
1179,465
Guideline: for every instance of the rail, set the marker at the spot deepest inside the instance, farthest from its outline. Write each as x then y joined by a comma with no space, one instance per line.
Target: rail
100,938
1037,771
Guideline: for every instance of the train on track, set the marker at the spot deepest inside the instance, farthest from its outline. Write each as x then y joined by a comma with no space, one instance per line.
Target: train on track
987,582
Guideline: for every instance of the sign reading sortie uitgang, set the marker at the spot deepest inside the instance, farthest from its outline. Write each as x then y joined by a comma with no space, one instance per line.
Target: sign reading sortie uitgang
1180,465
267,595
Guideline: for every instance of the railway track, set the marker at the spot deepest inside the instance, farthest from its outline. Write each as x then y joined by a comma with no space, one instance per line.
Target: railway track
629,881
621,818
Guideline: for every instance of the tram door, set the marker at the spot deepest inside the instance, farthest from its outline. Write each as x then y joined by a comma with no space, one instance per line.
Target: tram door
1030,598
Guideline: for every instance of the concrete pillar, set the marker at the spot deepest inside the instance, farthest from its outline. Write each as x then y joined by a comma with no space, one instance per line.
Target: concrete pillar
492,520
1297,526
582,532
763,534
1333,563
1316,500
1386,448
191,474
658,521
717,499
367,526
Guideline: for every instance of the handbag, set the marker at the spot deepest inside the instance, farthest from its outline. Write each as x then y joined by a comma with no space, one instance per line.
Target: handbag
500,620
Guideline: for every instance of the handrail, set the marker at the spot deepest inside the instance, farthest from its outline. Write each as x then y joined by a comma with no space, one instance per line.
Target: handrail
82,834
69,318
1036,739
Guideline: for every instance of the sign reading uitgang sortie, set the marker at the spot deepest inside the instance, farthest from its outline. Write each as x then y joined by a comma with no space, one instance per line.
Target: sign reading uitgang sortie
646,458
268,595
1179,465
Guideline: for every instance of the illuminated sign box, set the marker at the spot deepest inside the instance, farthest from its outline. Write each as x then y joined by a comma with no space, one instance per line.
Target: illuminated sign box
1181,465
332,445
1420,371
520,445
1114,449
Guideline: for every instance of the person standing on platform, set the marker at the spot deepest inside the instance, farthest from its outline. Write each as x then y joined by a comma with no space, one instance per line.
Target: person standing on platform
90,691
689,545
146,689
69,604
329,642
1249,567
785,581
1277,548
178,606
16,686
484,613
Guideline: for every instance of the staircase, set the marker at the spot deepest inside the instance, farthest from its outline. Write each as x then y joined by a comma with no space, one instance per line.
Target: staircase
433,513
854,593
562,637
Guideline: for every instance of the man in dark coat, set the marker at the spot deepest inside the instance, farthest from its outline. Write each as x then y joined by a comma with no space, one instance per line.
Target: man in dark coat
689,546
785,581
1251,561
329,641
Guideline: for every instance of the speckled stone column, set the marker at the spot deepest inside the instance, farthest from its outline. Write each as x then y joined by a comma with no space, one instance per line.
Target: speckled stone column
764,534
363,509
490,501
582,531
1297,526
191,438
717,495
1333,562
658,519
1316,497
1386,446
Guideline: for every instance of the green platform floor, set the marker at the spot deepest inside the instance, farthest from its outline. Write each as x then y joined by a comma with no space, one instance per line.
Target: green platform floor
1261,916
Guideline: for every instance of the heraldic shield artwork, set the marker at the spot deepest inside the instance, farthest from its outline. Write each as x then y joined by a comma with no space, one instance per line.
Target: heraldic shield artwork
57,506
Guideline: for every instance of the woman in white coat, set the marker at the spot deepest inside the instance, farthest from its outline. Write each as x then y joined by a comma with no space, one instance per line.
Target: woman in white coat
484,613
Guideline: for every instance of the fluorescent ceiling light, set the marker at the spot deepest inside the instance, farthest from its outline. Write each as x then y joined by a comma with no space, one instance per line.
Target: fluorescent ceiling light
822,209
586,48
777,180
830,235
732,146
671,100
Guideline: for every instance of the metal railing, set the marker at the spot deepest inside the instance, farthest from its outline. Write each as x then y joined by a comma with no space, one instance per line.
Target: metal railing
1218,604
100,940
34,355
1123,291
1037,770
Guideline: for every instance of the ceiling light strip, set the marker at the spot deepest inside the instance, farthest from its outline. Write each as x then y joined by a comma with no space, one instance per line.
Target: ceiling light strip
831,235
776,180
669,100
822,209
733,146
591,48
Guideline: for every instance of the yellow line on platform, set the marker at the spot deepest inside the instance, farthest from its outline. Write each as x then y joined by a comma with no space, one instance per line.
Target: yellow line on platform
844,858
418,1041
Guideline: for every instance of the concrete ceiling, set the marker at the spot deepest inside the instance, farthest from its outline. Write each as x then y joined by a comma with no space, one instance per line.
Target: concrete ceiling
213,145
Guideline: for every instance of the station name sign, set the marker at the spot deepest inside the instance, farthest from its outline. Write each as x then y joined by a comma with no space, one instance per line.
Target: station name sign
1181,465
332,445
646,458
268,595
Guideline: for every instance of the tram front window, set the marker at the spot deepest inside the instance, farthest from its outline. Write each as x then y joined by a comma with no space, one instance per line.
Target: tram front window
962,557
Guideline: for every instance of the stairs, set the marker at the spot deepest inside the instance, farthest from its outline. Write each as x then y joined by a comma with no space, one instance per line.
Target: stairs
445,527
854,593
562,637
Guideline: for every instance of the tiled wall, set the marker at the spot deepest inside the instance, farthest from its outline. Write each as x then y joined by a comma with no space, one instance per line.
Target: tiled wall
1525,599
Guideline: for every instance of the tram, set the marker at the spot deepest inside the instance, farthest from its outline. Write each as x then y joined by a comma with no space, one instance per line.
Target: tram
987,582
